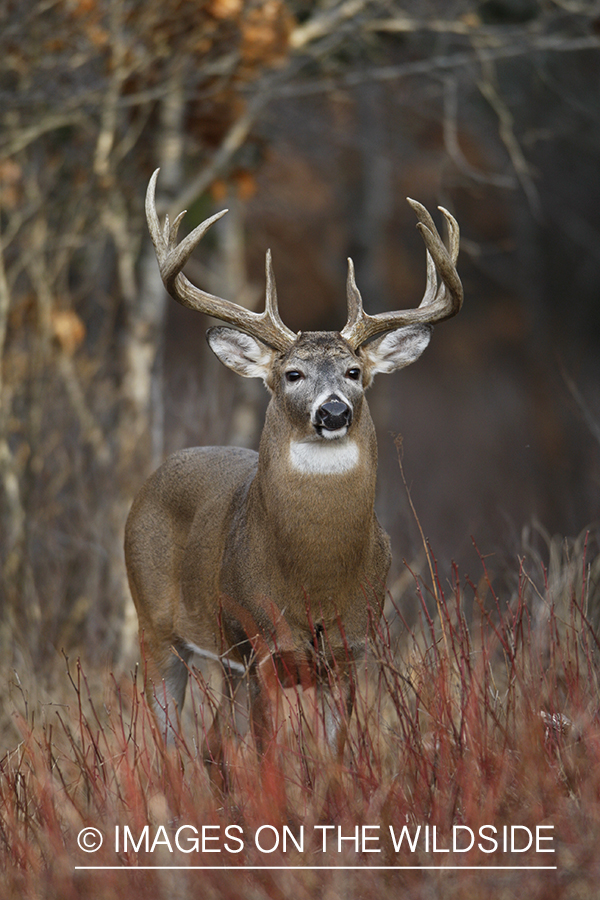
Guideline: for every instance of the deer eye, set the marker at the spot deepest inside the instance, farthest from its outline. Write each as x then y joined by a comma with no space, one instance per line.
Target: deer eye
353,373
294,375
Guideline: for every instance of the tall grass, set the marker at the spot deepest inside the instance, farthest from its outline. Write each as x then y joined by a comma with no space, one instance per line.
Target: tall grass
482,713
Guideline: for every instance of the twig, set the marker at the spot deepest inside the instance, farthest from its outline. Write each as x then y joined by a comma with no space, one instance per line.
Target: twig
398,445
324,23
507,133
432,64
452,144
232,141
584,409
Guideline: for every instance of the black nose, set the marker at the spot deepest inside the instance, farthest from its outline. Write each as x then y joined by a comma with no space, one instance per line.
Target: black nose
333,414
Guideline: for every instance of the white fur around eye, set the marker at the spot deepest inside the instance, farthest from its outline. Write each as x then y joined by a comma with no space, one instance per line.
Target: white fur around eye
332,458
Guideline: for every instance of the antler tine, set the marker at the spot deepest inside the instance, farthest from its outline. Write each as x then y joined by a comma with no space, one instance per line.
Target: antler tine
431,284
353,297
271,307
438,303
266,326
175,226
453,234
151,214
445,259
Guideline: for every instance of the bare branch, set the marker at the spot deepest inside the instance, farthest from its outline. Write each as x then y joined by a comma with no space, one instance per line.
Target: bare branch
408,25
452,145
232,141
586,413
325,22
110,106
432,64
509,138
41,280
18,140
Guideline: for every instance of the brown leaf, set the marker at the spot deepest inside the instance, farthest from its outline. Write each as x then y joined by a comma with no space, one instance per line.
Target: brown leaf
68,329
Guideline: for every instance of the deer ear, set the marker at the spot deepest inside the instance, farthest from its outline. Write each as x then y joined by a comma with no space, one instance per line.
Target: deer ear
238,351
396,349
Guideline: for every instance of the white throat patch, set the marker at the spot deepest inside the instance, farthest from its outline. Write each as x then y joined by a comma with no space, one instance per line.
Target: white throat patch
316,458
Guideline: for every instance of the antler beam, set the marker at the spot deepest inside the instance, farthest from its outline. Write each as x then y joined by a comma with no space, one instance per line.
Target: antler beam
438,303
266,326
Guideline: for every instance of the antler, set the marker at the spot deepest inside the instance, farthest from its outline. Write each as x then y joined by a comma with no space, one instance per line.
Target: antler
266,326
438,303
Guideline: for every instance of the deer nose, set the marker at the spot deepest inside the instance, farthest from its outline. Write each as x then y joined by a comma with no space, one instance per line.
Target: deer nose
333,414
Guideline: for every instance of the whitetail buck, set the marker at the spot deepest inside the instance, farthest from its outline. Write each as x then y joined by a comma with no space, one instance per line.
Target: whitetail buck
274,562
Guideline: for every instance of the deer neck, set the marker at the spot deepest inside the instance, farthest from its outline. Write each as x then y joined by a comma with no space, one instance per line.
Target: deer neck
316,498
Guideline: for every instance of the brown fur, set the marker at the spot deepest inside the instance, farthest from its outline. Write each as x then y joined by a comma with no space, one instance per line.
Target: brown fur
241,555
275,563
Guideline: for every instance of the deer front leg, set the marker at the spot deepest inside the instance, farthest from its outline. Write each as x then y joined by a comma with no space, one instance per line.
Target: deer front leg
224,724
165,683
336,698
264,702
261,714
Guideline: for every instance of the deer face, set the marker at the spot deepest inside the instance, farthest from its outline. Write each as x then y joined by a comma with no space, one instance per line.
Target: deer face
319,385
319,382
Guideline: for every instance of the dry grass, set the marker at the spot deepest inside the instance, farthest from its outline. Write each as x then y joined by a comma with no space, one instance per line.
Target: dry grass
484,713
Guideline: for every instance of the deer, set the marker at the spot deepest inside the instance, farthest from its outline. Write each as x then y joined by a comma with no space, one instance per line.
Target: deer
274,562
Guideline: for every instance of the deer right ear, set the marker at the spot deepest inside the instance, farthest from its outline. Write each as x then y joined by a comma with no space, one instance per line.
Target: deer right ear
238,351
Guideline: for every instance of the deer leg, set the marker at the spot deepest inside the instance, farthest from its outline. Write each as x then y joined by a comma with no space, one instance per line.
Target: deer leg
338,702
261,714
337,698
165,686
225,720
263,700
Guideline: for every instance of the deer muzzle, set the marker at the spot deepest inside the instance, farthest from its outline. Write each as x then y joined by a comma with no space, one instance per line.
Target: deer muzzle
333,414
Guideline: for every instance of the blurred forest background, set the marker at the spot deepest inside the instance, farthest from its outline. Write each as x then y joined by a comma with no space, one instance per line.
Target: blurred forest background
312,122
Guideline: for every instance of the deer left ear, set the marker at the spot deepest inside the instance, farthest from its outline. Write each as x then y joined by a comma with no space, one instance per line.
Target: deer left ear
239,351
396,349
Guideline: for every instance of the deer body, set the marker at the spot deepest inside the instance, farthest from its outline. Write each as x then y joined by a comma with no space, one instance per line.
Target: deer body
275,562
